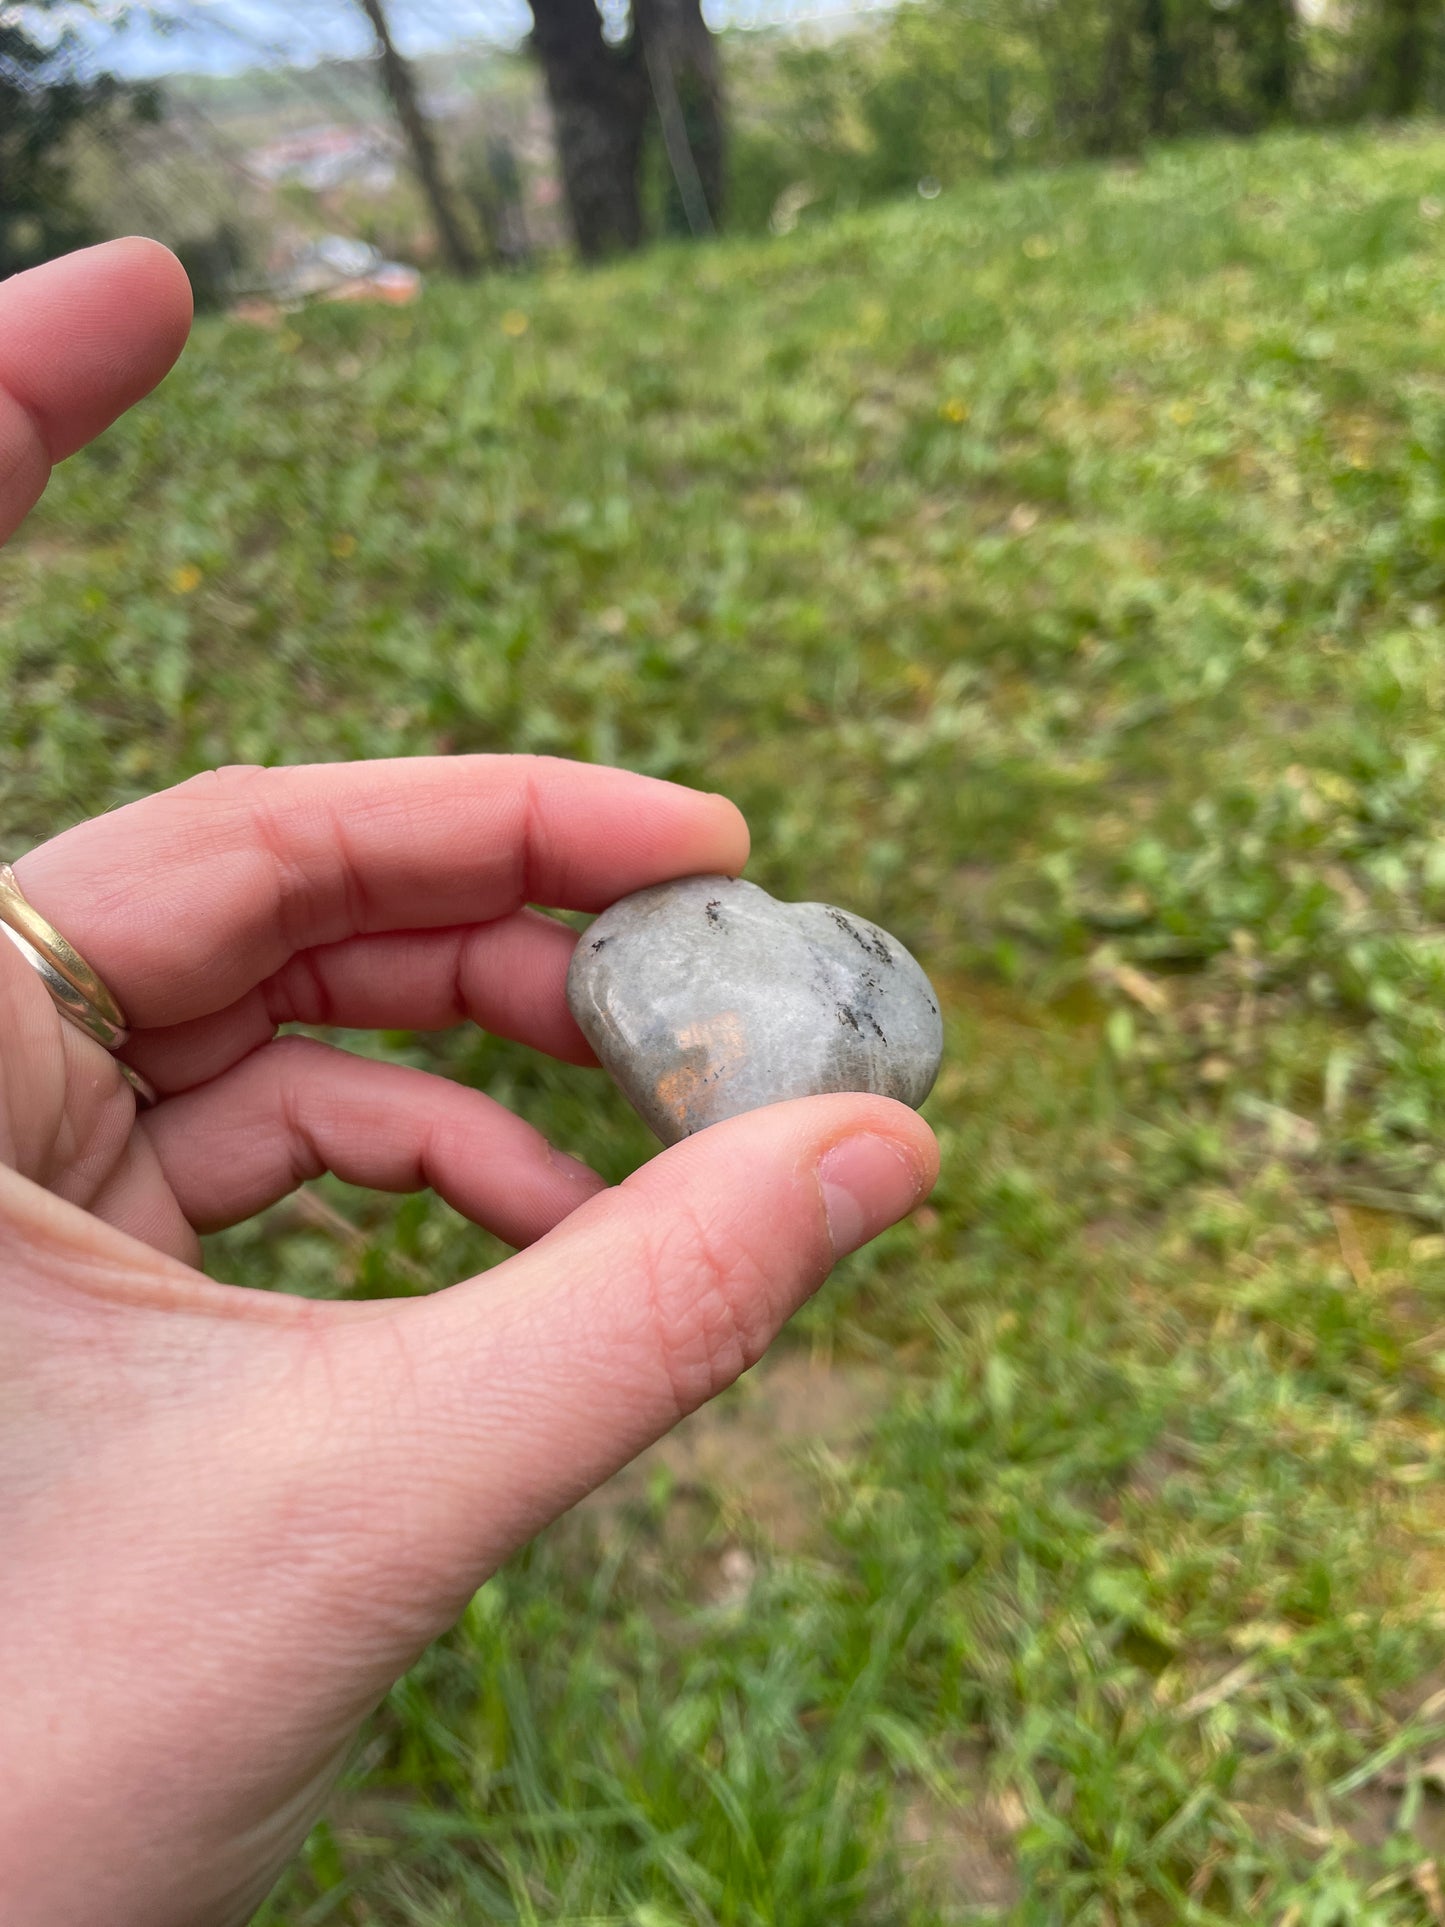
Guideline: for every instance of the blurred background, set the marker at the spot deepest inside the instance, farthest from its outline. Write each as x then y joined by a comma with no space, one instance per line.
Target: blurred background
1004,449
255,136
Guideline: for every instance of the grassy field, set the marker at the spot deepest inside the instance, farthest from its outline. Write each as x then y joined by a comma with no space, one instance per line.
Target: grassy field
1055,572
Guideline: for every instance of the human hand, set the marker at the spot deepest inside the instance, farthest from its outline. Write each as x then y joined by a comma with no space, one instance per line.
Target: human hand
231,1519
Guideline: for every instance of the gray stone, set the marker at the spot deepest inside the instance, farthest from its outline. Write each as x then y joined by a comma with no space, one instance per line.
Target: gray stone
707,997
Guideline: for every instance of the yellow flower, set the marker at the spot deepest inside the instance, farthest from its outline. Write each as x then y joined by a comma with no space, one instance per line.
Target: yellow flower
954,410
1182,413
343,545
515,323
185,578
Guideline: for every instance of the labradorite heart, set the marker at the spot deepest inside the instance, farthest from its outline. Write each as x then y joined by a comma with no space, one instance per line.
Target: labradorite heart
708,997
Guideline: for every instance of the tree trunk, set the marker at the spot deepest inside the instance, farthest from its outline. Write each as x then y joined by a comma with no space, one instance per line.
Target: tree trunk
1270,25
1406,56
686,81
599,98
1276,69
396,75
1108,130
1159,67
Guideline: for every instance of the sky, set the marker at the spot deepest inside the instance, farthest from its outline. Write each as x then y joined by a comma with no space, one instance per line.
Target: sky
224,36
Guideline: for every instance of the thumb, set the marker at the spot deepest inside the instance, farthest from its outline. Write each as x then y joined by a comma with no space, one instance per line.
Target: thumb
532,1384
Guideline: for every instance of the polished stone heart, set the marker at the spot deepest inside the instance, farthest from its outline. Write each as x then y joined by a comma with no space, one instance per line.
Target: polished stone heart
708,997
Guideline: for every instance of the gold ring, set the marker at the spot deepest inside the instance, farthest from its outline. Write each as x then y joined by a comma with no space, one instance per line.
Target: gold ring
75,989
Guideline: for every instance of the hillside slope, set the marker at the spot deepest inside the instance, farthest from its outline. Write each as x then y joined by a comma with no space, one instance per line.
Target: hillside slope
1053,573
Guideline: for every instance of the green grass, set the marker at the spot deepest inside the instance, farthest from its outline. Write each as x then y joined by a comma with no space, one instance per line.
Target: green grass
1056,573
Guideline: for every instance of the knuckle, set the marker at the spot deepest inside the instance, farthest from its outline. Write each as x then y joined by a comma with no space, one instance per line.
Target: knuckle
250,804
293,1069
295,1050
299,992
292,1061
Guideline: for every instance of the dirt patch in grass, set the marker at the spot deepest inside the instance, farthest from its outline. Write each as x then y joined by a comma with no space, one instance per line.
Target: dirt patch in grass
1425,1548
957,1845
759,1455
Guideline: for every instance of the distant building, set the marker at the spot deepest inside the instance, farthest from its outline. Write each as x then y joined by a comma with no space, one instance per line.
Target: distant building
322,158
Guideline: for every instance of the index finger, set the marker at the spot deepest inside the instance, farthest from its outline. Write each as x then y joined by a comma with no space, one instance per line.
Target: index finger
81,340
184,900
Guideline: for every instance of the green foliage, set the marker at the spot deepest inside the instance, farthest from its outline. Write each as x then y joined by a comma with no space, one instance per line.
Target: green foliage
41,99
943,91
62,130
1054,572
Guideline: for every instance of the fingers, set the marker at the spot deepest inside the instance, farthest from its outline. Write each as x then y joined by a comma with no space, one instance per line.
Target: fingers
185,901
297,1108
524,1390
81,340
66,1118
135,1198
508,976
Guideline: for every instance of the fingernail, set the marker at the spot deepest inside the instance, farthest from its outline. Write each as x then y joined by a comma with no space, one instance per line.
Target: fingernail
867,1183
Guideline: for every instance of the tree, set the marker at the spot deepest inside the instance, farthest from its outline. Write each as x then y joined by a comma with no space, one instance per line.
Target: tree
41,100
664,76
686,81
1405,54
1170,67
599,98
1159,66
457,250
1274,28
